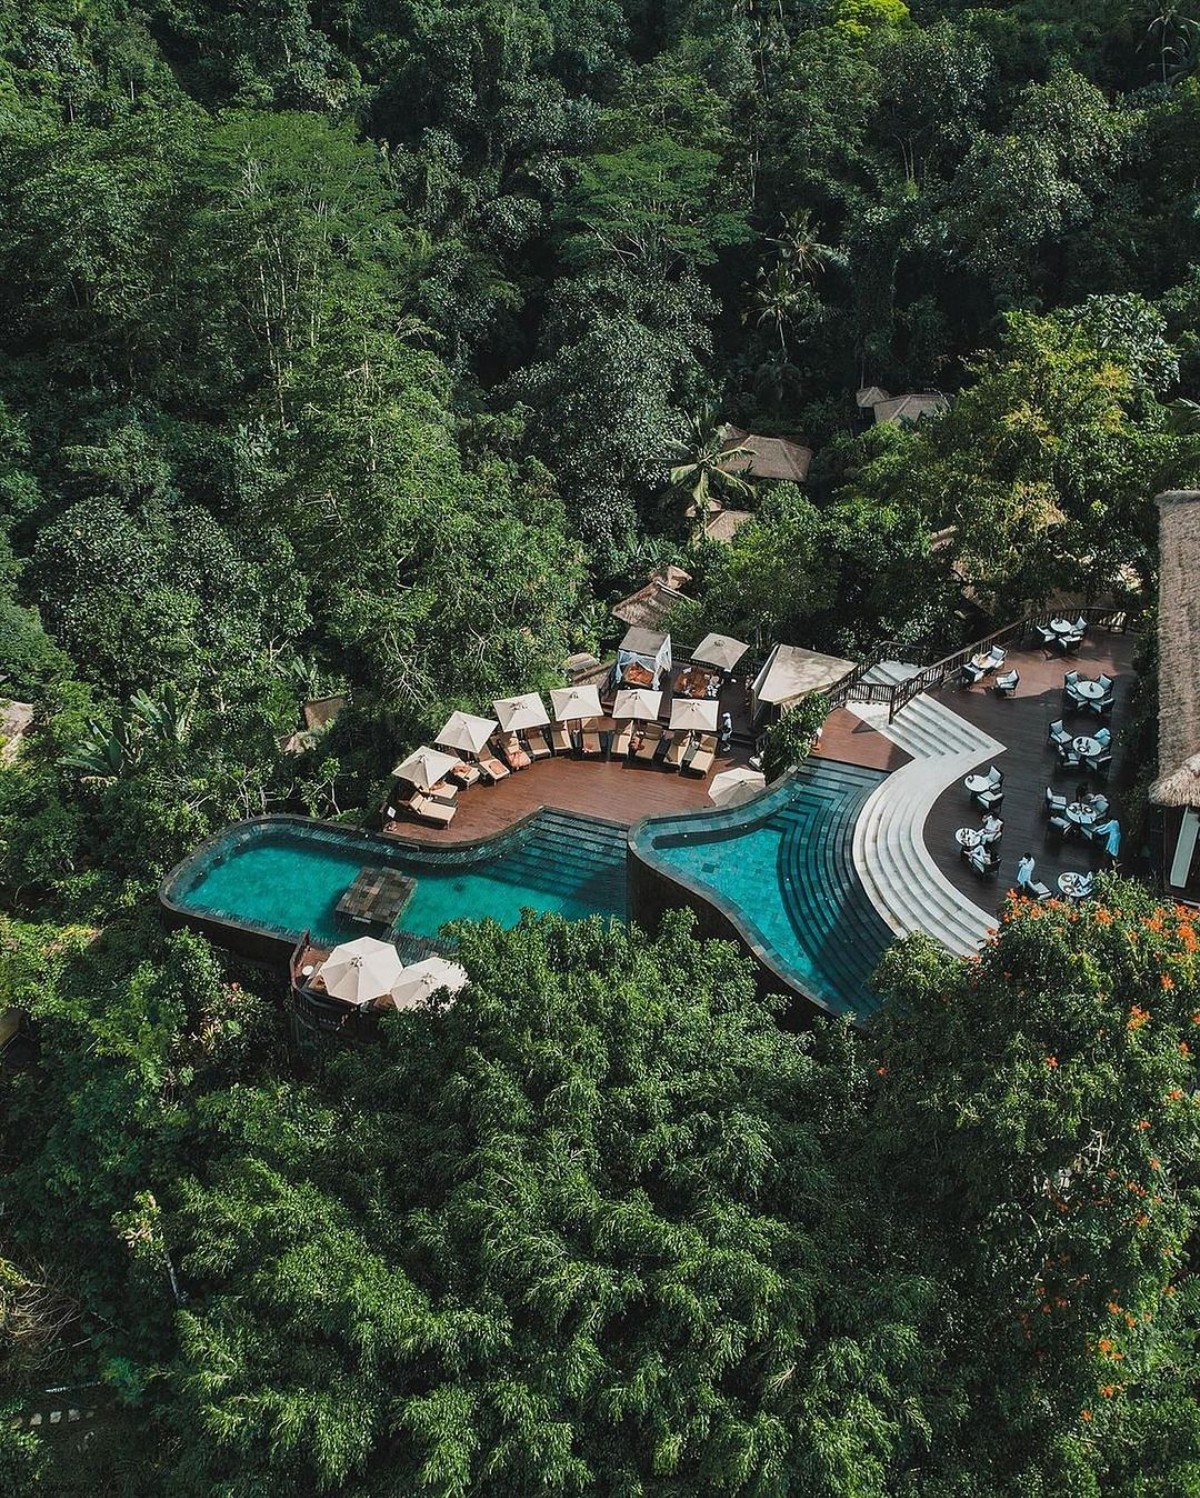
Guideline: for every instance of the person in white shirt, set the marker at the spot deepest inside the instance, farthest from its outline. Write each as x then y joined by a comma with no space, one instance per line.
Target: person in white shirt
1025,872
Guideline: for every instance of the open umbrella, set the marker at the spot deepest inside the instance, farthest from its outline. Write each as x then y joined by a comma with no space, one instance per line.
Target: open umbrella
719,651
360,970
420,979
425,767
576,702
637,702
732,787
466,732
516,714
694,713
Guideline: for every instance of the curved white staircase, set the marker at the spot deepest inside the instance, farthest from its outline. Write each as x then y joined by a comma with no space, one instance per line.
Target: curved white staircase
905,884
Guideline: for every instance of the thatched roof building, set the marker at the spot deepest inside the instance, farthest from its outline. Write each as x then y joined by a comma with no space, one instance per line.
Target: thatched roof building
1177,789
765,457
909,408
649,607
1178,633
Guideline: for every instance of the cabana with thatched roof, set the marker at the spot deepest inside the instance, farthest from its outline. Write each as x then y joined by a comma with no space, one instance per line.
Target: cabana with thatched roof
1177,789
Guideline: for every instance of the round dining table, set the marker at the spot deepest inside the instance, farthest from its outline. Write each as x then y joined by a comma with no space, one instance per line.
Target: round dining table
1062,626
1090,691
1087,748
968,837
1081,815
977,783
1071,884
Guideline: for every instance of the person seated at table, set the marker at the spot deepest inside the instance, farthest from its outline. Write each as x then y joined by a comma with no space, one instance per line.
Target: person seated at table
992,829
1025,873
981,859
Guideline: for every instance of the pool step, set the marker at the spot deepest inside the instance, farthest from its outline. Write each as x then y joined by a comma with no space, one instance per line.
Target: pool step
904,883
559,854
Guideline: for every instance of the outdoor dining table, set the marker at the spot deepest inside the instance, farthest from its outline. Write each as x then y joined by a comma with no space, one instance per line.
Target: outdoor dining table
1087,748
1062,626
968,837
1081,815
977,783
1070,884
1090,691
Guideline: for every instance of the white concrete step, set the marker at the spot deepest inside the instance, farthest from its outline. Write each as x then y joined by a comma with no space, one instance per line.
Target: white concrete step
905,884
891,672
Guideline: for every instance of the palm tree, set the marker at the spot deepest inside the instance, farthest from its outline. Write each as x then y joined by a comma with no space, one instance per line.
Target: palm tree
1184,417
1172,32
799,246
703,469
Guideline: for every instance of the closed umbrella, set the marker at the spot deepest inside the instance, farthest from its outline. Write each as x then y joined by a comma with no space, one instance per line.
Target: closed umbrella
576,702
360,970
466,732
414,985
694,713
516,714
719,651
637,702
425,767
732,787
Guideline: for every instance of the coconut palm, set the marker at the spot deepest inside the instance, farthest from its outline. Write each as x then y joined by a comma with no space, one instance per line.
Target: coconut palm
1173,34
704,461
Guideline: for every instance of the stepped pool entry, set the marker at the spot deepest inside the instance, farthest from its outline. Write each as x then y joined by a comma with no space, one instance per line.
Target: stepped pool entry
776,872
270,880
780,870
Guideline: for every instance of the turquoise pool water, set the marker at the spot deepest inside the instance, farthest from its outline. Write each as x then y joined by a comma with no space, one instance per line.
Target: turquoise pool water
781,867
286,877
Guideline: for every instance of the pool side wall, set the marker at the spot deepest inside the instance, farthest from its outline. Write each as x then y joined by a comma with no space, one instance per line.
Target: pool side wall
653,892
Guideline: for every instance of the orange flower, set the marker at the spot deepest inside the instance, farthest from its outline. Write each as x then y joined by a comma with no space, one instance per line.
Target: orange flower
1155,1163
1102,916
1167,981
1114,1308
1137,1017
881,1071
1085,1415
1174,1095
1184,1048
1109,1390
1052,1062
1143,1123
1196,1018
1141,1219
1105,1345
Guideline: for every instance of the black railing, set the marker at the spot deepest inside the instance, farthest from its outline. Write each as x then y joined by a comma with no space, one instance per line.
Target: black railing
852,687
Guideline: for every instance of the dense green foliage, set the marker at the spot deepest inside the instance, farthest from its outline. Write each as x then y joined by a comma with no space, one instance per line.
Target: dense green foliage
366,349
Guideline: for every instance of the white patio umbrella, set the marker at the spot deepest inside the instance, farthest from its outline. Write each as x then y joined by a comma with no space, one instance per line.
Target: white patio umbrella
425,767
466,732
732,787
576,702
360,970
637,702
720,651
694,713
420,979
519,713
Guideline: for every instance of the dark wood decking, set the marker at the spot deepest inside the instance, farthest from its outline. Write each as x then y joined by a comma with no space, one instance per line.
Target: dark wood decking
608,790
1030,765
847,738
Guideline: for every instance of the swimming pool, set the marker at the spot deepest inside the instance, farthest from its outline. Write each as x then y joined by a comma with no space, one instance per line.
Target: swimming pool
781,869
282,876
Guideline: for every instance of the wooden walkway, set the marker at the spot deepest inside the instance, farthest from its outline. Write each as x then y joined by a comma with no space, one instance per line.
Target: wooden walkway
847,738
610,791
1030,765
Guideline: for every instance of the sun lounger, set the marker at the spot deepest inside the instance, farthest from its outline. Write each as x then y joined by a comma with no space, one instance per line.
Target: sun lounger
431,810
701,762
651,741
680,745
591,742
510,749
560,739
535,745
622,740
464,774
491,768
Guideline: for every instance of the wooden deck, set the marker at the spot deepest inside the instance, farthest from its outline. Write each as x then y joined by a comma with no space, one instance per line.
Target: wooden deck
847,738
1030,765
611,791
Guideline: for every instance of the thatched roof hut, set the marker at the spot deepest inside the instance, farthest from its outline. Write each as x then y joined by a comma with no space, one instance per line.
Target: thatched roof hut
755,457
1178,664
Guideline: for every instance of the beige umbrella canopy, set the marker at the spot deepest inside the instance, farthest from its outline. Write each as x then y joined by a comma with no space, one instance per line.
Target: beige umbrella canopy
732,787
694,713
576,702
519,713
719,651
637,702
466,732
418,980
360,970
425,767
